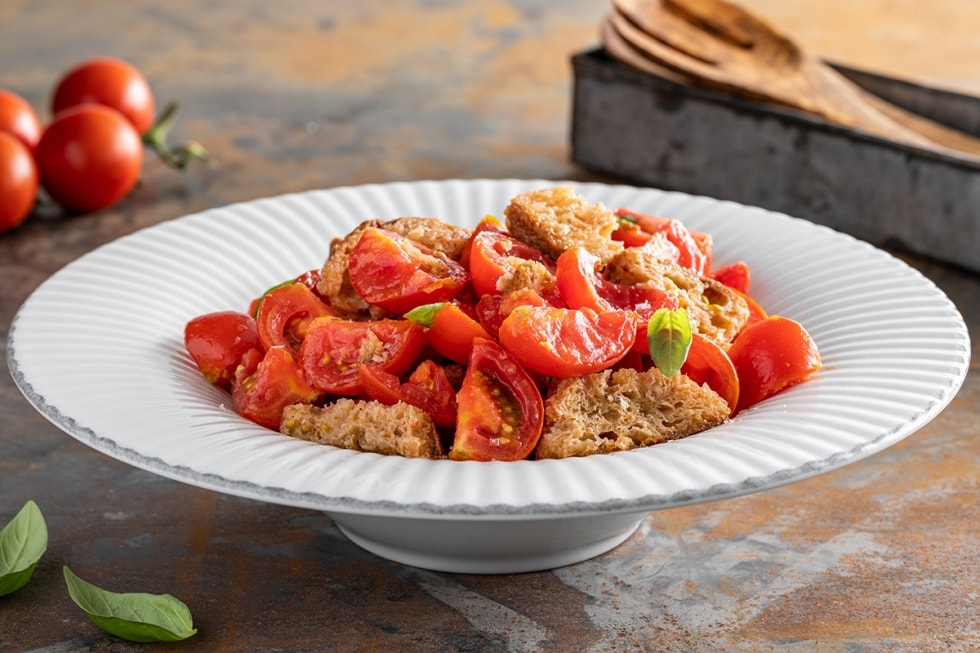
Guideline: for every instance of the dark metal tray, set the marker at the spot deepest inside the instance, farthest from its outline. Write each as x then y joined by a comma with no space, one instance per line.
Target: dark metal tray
651,131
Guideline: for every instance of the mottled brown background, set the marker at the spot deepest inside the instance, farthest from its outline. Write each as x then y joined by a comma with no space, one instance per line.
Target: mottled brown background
879,556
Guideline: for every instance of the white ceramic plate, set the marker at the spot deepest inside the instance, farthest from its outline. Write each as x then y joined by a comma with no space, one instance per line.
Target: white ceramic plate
98,350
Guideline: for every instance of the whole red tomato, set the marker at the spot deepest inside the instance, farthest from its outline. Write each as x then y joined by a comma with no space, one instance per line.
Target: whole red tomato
109,82
18,181
19,118
89,158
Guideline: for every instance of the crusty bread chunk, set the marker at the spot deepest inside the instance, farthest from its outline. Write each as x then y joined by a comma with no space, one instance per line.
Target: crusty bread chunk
716,311
400,429
619,410
433,233
556,219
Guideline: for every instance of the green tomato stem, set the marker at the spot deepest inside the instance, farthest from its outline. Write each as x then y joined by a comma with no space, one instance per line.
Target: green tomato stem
175,157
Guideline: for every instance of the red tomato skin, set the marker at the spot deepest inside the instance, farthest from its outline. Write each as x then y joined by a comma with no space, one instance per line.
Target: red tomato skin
694,247
488,258
735,276
217,341
109,82
265,384
89,158
428,388
397,274
500,410
18,118
708,363
453,331
772,355
582,287
19,182
334,349
284,315
561,342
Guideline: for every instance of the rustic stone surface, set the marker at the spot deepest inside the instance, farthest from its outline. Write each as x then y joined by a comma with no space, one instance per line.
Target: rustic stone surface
878,556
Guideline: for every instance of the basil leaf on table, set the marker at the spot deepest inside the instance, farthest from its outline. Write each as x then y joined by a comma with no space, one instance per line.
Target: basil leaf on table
669,337
22,543
138,617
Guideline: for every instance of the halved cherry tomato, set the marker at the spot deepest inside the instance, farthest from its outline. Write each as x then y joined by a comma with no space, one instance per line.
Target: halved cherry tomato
490,259
217,342
427,388
630,234
582,287
398,274
285,313
492,310
564,342
18,182
89,158
735,276
488,223
452,333
265,384
501,412
708,363
17,117
334,349
770,356
694,247
109,82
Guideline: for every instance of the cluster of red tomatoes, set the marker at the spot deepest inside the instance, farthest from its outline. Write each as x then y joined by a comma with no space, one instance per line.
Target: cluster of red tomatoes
90,155
292,346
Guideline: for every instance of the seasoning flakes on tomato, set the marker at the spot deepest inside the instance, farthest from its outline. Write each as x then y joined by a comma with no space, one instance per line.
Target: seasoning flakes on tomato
501,411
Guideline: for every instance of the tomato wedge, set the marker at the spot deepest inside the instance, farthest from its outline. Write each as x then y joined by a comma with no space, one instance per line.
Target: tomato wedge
285,313
735,276
334,349
771,355
492,255
398,274
501,412
427,388
452,333
217,342
492,310
265,384
708,363
564,342
694,247
582,287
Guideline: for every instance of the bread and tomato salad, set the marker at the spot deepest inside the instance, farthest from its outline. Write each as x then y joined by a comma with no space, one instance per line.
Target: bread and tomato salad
567,329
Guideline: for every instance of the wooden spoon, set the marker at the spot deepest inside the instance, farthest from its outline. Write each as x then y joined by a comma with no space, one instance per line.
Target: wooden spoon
716,44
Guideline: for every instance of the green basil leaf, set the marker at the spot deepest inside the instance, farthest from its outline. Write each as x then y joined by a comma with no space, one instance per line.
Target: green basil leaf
669,337
425,314
22,543
137,617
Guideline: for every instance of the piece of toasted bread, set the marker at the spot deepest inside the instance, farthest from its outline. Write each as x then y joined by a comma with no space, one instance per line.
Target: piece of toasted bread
716,311
619,410
556,219
401,429
433,233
